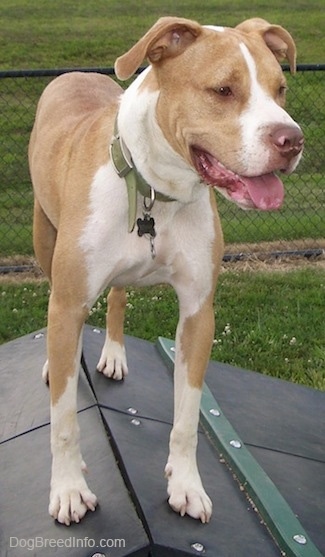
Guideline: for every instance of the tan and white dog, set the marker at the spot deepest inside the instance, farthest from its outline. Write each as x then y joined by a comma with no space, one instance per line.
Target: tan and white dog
207,111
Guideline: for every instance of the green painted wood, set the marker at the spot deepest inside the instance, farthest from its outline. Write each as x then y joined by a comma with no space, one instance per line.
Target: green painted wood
270,504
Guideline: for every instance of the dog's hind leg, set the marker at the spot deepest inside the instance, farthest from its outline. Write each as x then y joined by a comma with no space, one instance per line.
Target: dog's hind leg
44,238
112,362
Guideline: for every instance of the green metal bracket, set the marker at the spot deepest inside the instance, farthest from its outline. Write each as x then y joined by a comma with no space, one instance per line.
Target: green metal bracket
270,504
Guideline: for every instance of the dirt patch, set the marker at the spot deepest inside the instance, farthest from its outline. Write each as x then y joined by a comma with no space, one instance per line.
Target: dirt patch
276,256
267,248
19,269
272,265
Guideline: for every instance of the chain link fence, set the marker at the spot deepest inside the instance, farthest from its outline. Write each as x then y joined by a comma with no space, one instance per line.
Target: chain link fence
298,227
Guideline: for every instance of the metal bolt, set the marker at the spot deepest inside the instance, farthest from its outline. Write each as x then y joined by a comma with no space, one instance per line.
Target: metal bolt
214,412
38,335
132,410
198,547
98,332
235,443
172,349
99,555
300,538
136,422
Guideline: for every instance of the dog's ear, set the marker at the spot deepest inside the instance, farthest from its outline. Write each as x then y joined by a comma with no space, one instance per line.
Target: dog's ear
169,37
276,38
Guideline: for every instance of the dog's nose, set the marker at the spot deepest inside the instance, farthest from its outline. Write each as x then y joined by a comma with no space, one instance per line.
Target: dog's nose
288,140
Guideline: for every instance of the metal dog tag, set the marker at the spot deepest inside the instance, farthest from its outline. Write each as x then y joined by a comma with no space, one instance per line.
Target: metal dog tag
146,226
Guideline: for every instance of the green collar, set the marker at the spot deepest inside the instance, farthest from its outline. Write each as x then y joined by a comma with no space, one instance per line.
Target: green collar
124,167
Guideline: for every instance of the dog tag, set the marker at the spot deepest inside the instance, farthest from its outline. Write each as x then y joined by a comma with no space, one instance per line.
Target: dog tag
146,226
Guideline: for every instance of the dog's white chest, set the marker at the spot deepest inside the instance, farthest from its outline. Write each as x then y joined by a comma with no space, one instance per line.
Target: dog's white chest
116,257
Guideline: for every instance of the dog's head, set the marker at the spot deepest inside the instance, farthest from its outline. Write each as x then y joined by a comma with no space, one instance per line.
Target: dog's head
228,93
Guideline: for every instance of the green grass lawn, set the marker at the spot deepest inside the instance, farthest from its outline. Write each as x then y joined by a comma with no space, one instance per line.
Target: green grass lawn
271,322
43,33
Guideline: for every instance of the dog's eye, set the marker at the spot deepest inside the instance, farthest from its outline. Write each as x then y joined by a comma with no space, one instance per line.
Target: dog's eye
282,90
224,91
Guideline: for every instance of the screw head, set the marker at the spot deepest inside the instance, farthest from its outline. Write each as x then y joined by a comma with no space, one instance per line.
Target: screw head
135,422
132,410
214,412
199,547
98,332
38,336
300,538
98,555
235,443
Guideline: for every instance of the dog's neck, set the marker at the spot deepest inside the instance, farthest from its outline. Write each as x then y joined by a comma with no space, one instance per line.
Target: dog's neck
158,163
125,168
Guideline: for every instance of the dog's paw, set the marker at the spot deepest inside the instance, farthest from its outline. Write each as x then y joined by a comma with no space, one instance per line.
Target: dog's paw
70,504
187,495
113,362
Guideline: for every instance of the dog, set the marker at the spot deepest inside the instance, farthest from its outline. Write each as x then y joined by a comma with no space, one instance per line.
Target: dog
124,195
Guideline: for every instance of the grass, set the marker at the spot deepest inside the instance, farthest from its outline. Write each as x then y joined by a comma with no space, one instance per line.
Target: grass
39,33
271,322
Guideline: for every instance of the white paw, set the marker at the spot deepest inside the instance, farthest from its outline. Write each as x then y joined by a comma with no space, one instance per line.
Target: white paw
45,372
70,499
187,495
113,362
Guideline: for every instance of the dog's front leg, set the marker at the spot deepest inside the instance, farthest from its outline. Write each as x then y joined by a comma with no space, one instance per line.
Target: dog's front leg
193,345
112,362
70,497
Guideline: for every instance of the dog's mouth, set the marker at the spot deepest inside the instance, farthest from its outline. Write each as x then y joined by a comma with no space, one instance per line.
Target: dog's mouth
264,192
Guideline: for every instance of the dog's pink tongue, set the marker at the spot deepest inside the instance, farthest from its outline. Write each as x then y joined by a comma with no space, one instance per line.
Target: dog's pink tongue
266,191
